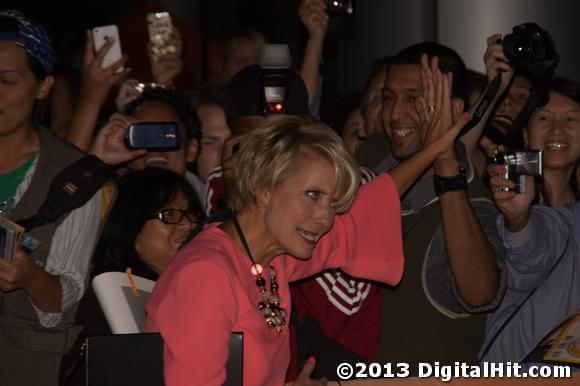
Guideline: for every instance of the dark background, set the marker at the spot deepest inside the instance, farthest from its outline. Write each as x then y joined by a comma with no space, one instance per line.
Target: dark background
378,28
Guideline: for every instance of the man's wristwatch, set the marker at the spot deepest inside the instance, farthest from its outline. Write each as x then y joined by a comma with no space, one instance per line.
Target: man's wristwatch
449,184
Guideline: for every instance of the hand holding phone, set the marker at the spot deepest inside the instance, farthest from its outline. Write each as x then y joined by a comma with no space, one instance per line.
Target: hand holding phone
104,34
163,37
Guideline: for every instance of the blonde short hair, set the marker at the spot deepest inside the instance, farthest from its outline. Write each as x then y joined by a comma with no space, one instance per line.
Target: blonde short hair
269,154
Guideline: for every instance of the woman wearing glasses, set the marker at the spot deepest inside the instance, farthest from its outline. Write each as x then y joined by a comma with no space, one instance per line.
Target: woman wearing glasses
154,212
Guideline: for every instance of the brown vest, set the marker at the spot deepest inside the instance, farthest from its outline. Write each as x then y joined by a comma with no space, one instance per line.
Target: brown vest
30,353
415,326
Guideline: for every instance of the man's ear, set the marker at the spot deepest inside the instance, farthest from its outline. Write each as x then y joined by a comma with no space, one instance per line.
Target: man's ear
44,88
458,108
191,150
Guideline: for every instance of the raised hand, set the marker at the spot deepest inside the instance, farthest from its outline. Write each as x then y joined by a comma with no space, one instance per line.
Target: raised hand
314,17
165,68
97,80
109,145
515,207
435,109
497,63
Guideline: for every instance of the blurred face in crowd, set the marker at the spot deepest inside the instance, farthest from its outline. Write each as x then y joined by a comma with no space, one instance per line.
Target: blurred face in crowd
353,132
241,54
19,89
300,209
157,242
400,118
175,161
511,103
373,104
555,129
214,132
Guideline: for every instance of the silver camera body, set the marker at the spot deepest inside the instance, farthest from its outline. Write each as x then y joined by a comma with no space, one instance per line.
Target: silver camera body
520,164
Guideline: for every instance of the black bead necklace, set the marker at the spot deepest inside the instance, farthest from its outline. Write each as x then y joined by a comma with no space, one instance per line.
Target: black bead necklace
269,305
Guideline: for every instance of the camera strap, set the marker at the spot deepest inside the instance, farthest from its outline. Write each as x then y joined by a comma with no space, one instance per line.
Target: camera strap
484,104
70,189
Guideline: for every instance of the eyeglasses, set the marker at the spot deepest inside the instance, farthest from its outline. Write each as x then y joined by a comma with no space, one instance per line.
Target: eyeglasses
175,216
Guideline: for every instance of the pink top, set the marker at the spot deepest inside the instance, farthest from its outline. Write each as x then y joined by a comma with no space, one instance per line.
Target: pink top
207,291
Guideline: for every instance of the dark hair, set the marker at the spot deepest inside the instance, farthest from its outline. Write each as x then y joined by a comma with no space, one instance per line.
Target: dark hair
10,26
476,81
209,95
567,87
346,105
449,61
379,66
141,194
178,103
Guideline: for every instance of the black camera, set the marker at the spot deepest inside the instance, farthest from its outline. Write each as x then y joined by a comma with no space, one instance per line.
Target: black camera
340,7
529,43
521,164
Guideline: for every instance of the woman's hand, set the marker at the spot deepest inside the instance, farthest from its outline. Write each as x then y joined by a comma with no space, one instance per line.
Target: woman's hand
304,378
109,145
97,81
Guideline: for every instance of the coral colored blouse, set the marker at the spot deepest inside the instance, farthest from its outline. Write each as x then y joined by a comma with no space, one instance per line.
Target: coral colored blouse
207,291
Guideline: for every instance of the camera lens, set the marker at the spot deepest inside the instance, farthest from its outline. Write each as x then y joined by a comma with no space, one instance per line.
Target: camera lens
518,48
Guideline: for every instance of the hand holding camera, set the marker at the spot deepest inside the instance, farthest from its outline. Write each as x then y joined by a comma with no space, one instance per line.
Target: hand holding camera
314,17
109,144
515,207
497,63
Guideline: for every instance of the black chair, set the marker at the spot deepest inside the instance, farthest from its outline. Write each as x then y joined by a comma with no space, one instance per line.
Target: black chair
137,359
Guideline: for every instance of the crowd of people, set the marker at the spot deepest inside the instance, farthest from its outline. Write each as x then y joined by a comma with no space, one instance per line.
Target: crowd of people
395,235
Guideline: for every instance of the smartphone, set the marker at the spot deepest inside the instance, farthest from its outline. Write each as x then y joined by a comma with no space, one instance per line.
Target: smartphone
100,36
157,136
162,39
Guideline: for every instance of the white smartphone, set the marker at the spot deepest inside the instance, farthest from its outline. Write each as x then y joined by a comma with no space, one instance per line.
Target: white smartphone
100,36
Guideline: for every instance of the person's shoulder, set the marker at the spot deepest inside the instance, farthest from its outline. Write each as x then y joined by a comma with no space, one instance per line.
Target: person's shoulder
209,247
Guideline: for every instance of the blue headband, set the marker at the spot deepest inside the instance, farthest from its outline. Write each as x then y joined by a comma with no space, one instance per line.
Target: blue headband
32,37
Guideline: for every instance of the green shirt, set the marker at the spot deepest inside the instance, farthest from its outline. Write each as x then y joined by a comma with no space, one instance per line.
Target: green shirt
9,182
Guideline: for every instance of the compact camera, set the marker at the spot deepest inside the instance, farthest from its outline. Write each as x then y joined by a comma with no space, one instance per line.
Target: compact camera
340,7
529,43
520,164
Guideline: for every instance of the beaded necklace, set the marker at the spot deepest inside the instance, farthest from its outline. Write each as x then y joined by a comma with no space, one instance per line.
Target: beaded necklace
269,305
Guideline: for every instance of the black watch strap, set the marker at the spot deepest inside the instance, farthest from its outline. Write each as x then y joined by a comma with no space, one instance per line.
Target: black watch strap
449,184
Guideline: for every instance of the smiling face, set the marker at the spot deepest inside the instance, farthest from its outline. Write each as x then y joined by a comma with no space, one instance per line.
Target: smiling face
157,242
300,209
555,128
175,161
19,89
400,118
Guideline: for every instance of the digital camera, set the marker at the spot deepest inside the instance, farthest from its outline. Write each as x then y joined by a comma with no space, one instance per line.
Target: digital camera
520,164
529,43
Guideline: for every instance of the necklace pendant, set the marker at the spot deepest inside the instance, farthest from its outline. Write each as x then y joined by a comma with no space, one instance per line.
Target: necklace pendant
256,269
